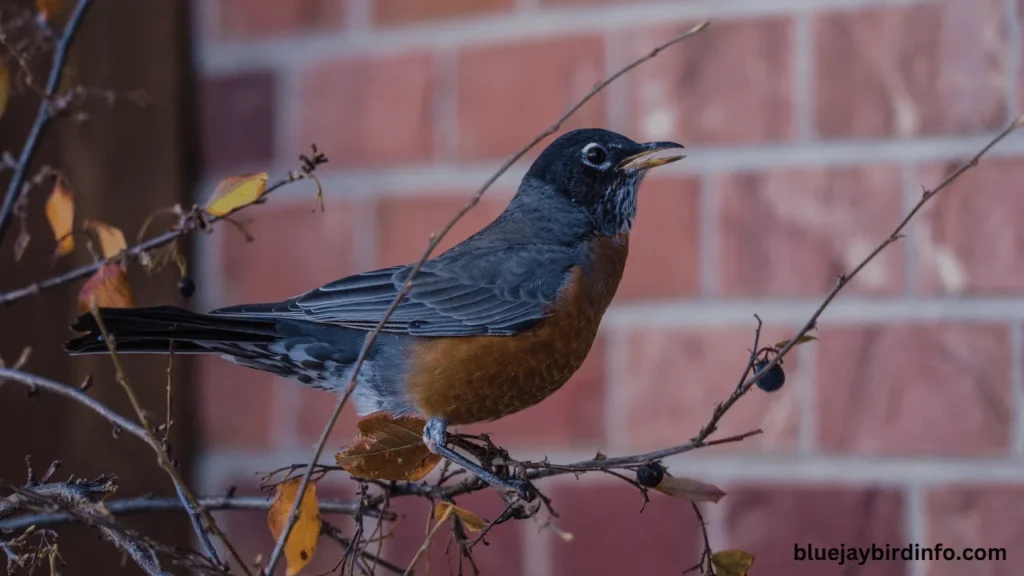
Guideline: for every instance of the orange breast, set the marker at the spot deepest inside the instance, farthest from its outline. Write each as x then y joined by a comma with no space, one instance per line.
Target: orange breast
483,378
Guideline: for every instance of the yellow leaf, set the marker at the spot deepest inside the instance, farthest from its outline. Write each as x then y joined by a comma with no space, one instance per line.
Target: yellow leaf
109,286
48,8
5,86
388,448
689,489
732,562
60,212
801,340
471,521
302,540
235,192
111,238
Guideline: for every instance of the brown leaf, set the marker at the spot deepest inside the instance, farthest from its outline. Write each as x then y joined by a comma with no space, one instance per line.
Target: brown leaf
48,8
732,562
471,521
305,535
109,286
236,191
60,212
388,449
111,238
5,86
689,489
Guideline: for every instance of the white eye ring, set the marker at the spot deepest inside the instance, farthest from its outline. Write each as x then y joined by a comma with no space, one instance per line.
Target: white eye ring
595,155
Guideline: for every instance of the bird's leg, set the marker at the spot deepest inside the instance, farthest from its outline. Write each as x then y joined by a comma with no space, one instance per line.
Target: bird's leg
435,436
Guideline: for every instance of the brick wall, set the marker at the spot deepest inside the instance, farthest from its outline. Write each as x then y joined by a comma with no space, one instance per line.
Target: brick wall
811,126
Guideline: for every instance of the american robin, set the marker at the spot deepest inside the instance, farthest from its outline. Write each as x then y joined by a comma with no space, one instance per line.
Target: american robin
490,327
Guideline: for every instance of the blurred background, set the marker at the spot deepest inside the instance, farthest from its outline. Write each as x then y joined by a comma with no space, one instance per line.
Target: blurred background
811,128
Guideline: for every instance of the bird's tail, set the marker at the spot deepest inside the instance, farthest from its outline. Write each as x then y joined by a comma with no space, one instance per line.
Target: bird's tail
160,329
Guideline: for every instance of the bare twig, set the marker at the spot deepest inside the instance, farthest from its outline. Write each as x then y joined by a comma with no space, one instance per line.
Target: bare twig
188,500
435,239
44,115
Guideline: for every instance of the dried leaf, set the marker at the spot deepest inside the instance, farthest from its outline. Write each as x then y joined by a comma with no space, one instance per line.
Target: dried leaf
236,191
60,212
5,86
801,340
302,541
48,8
111,238
732,562
471,521
109,286
389,449
689,489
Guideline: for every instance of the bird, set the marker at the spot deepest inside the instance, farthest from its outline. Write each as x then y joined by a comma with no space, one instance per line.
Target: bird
489,327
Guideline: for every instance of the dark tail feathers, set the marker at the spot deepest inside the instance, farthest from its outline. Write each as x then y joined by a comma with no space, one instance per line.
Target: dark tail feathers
153,329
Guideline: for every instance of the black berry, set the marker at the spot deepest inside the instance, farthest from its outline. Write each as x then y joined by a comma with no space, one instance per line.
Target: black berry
650,475
773,379
186,287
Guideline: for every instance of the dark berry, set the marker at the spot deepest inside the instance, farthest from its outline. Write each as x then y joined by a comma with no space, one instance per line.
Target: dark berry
650,475
186,287
773,379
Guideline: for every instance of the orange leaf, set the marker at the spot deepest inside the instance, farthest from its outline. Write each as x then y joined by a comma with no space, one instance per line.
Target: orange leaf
471,521
111,238
388,449
302,540
732,562
5,86
47,8
235,192
109,286
688,489
60,212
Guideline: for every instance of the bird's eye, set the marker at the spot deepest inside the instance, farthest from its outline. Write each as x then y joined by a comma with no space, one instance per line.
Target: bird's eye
594,155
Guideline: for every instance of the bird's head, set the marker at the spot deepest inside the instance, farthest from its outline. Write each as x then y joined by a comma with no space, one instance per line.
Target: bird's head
599,171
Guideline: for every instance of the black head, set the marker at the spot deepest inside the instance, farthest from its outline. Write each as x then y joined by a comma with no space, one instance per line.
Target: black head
600,172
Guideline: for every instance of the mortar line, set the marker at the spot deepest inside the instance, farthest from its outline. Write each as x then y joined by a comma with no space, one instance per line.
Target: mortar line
909,196
1012,59
709,228
915,525
1017,382
807,432
803,77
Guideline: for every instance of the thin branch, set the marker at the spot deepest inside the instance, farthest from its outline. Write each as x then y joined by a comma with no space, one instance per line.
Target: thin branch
334,533
188,500
144,505
435,239
43,116
190,222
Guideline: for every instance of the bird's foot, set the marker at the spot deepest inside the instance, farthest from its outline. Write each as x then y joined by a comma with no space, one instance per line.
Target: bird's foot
435,436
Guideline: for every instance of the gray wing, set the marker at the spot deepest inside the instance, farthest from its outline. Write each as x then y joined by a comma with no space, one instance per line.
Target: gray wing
490,292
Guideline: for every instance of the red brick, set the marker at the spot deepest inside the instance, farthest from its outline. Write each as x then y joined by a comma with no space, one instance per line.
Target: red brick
664,244
509,92
769,521
968,238
577,2
571,418
389,12
674,377
976,517
235,405
238,120
930,68
793,232
730,84
612,536
899,389
405,223
247,19
504,555
370,111
295,250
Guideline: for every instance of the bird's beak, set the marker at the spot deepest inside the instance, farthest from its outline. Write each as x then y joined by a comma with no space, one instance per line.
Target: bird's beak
648,157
